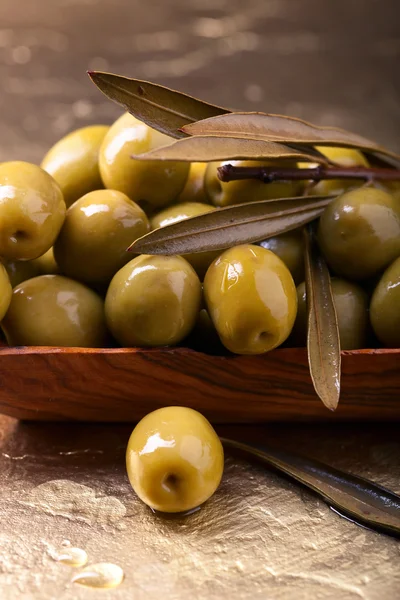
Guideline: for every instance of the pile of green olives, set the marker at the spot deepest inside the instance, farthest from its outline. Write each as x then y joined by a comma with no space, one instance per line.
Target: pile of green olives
66,278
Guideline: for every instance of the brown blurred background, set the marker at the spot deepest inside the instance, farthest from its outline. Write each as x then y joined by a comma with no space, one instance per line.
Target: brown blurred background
331,61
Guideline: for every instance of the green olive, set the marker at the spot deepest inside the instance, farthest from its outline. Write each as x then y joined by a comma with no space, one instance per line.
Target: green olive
194,188
359,232
174,459
152,184
251,299
32,211
21,270
343,157
5,291
290,248
98,229
249,190
385,307
200,261
74,162
47,263
351,304
153,301
51,310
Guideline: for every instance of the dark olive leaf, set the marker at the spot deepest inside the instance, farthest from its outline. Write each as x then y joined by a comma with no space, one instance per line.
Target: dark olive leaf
278,128
227,227
209,148
323,342
363,501
160,107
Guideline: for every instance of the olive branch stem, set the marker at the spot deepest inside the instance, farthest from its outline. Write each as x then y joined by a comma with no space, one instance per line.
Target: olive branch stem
229,172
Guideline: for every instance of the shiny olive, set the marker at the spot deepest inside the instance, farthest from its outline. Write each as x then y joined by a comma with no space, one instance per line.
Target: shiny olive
351,304
174,459
200,261
194,188
251,299
249,190
5,291
385,307
32,211
290,248
98,229
153,184
359,232
47,263
153,301
343,157
21,270
51,310
74,162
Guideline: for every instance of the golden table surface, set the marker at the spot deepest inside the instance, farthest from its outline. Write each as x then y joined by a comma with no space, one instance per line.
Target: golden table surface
260,536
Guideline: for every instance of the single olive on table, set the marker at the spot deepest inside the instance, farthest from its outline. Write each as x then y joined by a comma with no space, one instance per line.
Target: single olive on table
52,310
200,261
152,184
153,301
251,299
32,211
74,162
97,230
385,307
174,459
351,304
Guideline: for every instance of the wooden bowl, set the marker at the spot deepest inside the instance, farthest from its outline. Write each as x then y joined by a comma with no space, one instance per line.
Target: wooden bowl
123,384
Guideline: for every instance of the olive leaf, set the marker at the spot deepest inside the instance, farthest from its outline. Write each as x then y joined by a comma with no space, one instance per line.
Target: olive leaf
279,128
159,107
209,148
360,499
323,342
227,227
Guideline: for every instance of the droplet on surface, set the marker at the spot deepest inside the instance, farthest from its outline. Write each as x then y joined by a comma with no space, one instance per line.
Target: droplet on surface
73,557
100,575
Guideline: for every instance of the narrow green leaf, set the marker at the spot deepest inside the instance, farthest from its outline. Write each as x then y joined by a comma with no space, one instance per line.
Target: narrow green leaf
160,107
209,148
227,227
323,342
278,128
360,499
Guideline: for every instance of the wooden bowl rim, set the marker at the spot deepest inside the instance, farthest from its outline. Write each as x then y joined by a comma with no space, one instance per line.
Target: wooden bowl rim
33,350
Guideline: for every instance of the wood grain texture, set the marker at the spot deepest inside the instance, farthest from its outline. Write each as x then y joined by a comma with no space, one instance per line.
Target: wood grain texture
125,384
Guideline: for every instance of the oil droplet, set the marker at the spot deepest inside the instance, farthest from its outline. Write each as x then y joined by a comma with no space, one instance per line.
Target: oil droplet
73,557
100,575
